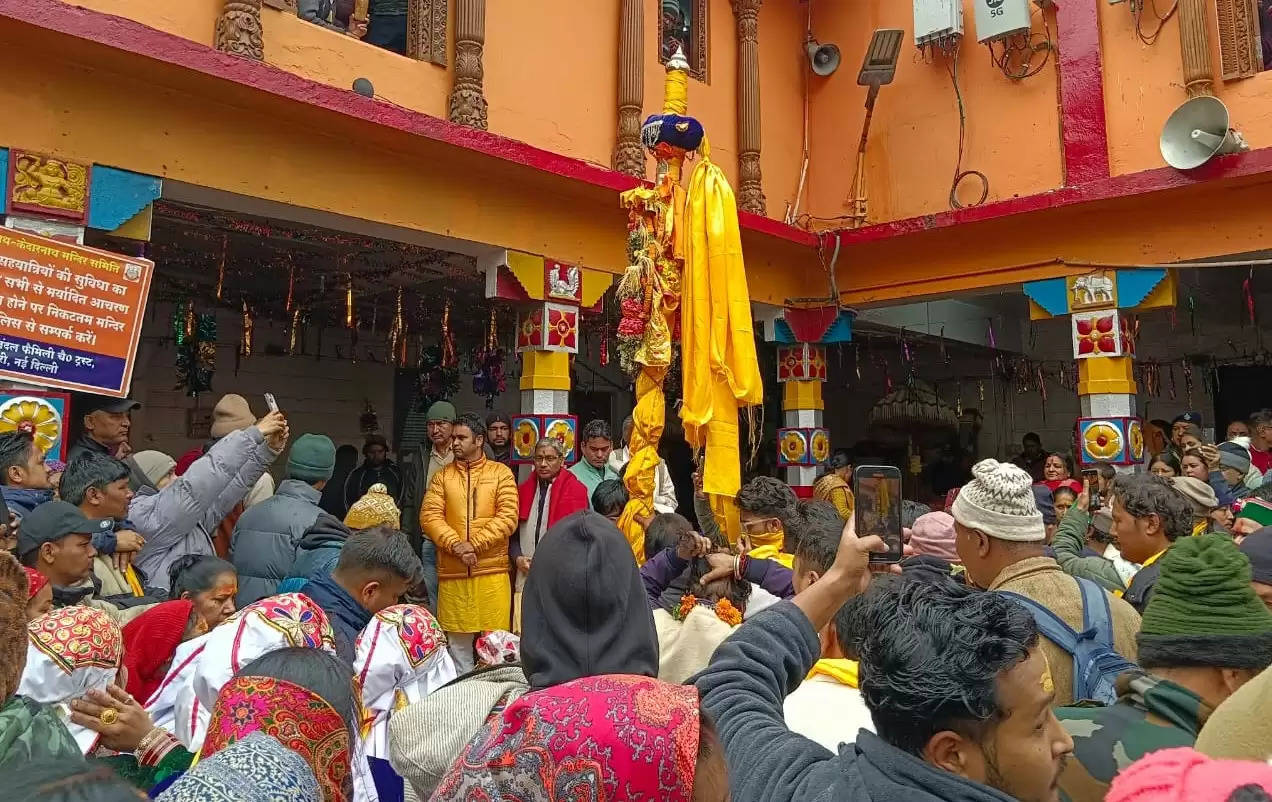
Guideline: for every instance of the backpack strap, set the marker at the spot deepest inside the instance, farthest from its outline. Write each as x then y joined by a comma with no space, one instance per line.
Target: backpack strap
1049,624
1096,613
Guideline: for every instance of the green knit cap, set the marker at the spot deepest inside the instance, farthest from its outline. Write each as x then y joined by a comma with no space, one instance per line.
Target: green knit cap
1203,612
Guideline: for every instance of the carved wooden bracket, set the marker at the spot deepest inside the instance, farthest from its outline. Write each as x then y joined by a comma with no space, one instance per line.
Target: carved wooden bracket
238,29
629,154
467,101
1240,38
750,180
426,31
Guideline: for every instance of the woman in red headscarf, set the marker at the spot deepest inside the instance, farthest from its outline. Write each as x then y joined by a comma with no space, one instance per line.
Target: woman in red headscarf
645,739
152,638
39,594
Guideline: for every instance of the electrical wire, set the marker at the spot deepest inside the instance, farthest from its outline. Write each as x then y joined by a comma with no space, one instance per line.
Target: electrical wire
1138,12
1024,43
960,175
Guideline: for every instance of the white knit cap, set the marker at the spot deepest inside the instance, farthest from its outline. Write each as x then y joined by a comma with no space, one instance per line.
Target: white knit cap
999,501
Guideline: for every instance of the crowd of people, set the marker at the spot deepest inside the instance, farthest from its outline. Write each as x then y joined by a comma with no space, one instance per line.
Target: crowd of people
183,629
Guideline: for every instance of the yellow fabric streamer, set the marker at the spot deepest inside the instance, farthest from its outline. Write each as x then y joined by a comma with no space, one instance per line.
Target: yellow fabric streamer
648,418
721,372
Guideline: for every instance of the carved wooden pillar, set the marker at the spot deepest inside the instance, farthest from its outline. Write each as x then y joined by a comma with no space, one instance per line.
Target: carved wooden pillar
629,154
467,103
750,183
1194,44
238,29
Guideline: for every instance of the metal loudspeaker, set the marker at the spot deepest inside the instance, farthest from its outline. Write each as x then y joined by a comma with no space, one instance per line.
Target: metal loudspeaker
824,59
1198,131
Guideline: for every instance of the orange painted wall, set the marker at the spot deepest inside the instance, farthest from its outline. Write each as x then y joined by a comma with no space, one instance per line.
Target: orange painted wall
115,108
551,74
1143,84
1012,131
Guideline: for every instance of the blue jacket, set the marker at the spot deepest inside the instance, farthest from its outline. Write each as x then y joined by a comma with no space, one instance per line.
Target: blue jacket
21,500
348,618
319,550
263,546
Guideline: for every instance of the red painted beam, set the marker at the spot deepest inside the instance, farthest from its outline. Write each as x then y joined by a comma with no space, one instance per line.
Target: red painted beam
133,37
1237,165
1082,123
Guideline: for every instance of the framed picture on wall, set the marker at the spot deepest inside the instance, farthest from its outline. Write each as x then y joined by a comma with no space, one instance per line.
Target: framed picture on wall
43,413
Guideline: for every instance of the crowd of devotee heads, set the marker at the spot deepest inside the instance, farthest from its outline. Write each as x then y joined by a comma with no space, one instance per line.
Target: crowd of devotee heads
188,628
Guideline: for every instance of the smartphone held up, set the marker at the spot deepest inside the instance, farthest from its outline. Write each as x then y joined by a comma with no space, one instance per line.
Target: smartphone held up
876,492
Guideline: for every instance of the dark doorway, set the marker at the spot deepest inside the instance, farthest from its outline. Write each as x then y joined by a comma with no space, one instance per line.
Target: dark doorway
1238,392
590,405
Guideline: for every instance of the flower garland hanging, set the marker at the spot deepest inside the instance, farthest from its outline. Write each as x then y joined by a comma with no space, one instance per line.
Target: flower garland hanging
488,366
723,609
195,336
635,294
435,381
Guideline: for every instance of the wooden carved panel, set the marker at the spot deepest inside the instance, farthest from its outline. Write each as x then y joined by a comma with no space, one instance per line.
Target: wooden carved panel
426,30
684,23
1240,42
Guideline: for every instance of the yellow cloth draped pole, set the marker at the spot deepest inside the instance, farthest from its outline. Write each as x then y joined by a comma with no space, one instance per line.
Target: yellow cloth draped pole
652,283
721,371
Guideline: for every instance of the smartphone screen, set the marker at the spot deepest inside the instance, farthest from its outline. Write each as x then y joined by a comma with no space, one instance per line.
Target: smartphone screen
1092,478
877,497
270,402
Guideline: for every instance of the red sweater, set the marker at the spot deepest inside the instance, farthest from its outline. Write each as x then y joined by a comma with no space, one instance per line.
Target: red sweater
569,495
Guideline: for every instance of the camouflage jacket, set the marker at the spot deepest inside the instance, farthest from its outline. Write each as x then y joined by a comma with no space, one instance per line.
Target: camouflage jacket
1150,714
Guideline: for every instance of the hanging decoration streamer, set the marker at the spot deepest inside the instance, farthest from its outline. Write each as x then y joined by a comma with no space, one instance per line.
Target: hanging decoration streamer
220,273
449,360
1247,290
436,381
293,331
291,285
195,336
488,366
348,300
249,326
397,334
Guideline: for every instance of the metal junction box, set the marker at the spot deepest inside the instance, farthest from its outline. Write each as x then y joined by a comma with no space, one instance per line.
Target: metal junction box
998,19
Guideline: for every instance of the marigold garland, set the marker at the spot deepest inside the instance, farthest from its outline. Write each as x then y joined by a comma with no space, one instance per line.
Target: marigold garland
723,609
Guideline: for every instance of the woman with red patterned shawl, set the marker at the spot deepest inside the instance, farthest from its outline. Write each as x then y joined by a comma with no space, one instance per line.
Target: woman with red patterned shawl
616,737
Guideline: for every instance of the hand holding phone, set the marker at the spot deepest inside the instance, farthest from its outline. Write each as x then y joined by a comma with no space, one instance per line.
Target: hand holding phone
876,493
271,402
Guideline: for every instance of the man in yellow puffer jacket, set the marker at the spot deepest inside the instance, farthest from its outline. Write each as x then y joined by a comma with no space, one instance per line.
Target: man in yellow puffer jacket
470,511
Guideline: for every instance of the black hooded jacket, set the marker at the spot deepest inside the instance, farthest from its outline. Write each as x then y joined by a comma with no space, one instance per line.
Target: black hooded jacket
585,611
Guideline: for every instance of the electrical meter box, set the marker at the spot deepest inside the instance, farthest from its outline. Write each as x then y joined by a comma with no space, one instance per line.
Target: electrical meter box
998,19
937,21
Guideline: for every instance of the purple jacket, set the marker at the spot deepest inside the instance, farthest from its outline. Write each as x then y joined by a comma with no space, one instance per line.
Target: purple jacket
666,566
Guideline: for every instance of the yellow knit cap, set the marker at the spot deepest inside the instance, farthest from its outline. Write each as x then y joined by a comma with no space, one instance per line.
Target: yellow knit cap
376,508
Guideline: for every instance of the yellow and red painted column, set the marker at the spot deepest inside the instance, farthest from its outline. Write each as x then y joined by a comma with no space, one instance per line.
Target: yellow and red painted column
551,297
1099,306
801,334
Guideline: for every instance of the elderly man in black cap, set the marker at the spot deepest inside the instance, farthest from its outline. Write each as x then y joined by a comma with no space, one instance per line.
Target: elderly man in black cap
106,423
376,468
